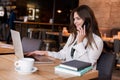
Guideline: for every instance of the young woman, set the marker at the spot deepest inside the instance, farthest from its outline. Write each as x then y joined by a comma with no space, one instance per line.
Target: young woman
84,43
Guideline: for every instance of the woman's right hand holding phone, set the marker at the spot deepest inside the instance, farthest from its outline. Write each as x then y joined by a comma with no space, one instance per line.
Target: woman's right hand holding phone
81,33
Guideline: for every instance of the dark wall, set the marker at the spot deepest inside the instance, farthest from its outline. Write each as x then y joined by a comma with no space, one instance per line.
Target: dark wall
22,7
46,9
66,6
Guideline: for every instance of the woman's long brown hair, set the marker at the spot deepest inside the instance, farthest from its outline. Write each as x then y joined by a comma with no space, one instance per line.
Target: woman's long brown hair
87,15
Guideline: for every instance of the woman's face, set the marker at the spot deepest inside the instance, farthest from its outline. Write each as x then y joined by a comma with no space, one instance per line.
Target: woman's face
78,21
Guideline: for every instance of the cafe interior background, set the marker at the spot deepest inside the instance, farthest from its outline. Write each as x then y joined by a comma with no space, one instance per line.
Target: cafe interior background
58,12
106,11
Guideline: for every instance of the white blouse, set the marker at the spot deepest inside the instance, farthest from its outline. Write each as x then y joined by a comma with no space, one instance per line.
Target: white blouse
81,53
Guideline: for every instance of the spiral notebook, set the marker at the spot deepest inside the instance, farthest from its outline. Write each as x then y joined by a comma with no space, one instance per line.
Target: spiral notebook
19,49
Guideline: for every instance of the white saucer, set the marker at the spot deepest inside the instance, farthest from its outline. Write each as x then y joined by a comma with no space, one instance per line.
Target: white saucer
21,72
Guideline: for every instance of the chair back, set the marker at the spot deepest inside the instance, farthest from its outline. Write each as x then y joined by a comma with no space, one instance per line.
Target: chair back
116,46
29,44
117,50
114,31
61,41
105,66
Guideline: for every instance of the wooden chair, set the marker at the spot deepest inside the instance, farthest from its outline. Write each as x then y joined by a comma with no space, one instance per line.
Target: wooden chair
31,30
61,43
42,36
114,31
39,30
47,41
116,46
105,66
117,51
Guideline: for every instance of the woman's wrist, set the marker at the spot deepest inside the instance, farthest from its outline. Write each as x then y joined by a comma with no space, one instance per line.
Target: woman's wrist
45,53
79,41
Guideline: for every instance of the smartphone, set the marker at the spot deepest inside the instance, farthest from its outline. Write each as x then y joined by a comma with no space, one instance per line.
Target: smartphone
86,25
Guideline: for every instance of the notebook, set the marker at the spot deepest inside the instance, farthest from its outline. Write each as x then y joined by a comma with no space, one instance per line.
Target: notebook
19,49
75,65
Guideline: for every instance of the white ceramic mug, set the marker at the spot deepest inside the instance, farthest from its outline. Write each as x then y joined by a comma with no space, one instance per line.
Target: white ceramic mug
25,64
51,21
25,19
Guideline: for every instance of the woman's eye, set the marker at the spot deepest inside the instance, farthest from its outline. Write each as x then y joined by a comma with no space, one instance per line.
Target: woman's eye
78,18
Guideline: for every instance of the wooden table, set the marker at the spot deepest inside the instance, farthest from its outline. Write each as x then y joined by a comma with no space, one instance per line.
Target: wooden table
6,48
44,72
57,34
108,39
39,24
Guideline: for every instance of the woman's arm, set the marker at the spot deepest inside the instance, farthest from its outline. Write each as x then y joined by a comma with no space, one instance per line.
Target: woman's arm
63,52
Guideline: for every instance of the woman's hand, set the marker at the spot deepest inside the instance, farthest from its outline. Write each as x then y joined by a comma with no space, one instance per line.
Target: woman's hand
81,34
45,53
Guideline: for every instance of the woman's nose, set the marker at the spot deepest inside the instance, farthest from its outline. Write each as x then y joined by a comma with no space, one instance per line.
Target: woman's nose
75,21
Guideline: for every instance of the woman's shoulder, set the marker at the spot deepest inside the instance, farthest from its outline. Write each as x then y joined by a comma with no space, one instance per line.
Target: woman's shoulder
97,38
71,36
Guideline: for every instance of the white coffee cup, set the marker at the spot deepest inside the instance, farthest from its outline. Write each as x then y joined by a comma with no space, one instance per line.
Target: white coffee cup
25,18
51,21
25,64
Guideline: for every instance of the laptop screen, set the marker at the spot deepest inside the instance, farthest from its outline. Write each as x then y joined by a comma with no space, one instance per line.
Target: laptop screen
17,44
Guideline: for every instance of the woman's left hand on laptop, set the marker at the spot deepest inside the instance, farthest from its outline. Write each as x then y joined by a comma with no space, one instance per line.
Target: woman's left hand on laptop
42,53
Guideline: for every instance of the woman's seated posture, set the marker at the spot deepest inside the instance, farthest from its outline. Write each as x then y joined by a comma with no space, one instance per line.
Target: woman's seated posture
84,42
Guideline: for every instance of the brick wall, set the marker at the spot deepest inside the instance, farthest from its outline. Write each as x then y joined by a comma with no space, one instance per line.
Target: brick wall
107,12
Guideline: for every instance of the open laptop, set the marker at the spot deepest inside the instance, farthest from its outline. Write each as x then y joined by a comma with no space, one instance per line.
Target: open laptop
19,49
